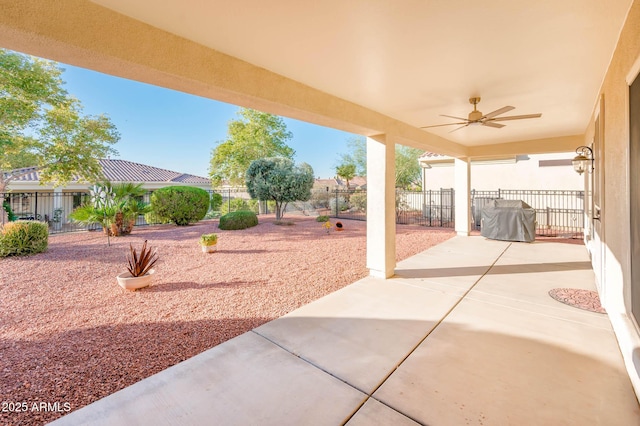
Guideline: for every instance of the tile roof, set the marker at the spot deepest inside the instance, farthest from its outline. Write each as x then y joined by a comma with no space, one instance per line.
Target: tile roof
128,171
325,182
428,154
357,181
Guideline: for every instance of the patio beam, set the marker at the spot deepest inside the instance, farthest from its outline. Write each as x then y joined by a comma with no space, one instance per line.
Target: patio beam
532,146
381,219
85,34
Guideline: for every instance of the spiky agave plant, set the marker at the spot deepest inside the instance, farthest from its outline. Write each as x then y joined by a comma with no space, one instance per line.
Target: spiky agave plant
140,265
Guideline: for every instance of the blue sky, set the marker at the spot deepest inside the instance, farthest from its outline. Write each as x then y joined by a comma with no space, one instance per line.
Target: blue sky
177,131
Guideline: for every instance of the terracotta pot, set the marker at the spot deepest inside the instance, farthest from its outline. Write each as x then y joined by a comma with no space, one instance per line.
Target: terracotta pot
209,249
129,282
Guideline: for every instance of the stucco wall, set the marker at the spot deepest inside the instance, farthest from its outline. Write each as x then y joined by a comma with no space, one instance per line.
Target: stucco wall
615,271
525,173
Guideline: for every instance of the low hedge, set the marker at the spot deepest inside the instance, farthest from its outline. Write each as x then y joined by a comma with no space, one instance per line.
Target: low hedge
23,237
238,220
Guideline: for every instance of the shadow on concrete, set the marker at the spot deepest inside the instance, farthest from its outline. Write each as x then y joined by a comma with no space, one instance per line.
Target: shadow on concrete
494,270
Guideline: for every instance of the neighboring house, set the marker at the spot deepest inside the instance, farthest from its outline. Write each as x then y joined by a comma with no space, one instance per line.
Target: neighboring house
331,184
535,172
29,199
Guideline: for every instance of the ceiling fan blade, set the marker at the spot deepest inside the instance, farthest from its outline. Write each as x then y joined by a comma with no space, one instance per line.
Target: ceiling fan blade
492,124
461,127
499,111
440,125
517,117
457,118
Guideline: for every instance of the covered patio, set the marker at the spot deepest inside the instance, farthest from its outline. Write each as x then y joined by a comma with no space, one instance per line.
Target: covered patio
490,345
465,333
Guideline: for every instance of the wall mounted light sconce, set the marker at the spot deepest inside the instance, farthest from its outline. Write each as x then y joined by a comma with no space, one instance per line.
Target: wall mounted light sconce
584,160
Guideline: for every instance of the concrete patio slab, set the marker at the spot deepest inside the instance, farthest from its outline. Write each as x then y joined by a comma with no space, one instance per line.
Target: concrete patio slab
376,413
362,332
244,381
509,354
455,262
489,365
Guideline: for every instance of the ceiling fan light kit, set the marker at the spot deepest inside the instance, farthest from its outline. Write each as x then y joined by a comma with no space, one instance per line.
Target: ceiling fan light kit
477,118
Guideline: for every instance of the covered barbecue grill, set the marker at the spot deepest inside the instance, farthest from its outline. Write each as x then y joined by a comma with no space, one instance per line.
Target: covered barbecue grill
509,220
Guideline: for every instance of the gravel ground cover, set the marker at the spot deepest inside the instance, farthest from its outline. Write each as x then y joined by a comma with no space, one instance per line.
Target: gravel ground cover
69,335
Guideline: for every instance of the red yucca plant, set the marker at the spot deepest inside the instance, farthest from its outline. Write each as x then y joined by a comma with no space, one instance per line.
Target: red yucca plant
140,265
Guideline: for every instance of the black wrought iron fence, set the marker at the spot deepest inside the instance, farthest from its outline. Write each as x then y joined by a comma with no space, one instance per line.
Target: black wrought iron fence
558,212
428,208
434,208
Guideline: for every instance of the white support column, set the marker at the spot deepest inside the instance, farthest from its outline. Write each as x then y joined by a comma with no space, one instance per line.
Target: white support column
381,206
462,171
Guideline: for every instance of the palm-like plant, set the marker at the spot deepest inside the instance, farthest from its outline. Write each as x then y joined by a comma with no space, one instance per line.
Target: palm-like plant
117,212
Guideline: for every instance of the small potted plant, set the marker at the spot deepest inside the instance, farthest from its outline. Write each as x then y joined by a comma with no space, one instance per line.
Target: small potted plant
139,268
327,226
209,242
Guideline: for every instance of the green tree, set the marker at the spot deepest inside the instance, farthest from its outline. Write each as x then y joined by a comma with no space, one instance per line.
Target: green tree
357,155
346,171
42,126
408,171
280,180
252,136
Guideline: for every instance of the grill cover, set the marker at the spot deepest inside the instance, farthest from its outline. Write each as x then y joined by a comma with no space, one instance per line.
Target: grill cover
509,220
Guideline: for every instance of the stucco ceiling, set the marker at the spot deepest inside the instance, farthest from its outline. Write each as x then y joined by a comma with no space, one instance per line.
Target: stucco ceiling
414,60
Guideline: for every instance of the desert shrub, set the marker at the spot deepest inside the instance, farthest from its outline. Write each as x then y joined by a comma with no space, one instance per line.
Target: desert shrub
359,201
320,199
181,205
216,202
212,214
342,204
322,218
238,220
239,204
152,219
254,206
21,238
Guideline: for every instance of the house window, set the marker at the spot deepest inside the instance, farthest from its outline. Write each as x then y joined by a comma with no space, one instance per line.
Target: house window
79,199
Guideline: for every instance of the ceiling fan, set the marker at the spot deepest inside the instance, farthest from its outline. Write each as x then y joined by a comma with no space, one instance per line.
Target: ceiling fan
476,117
